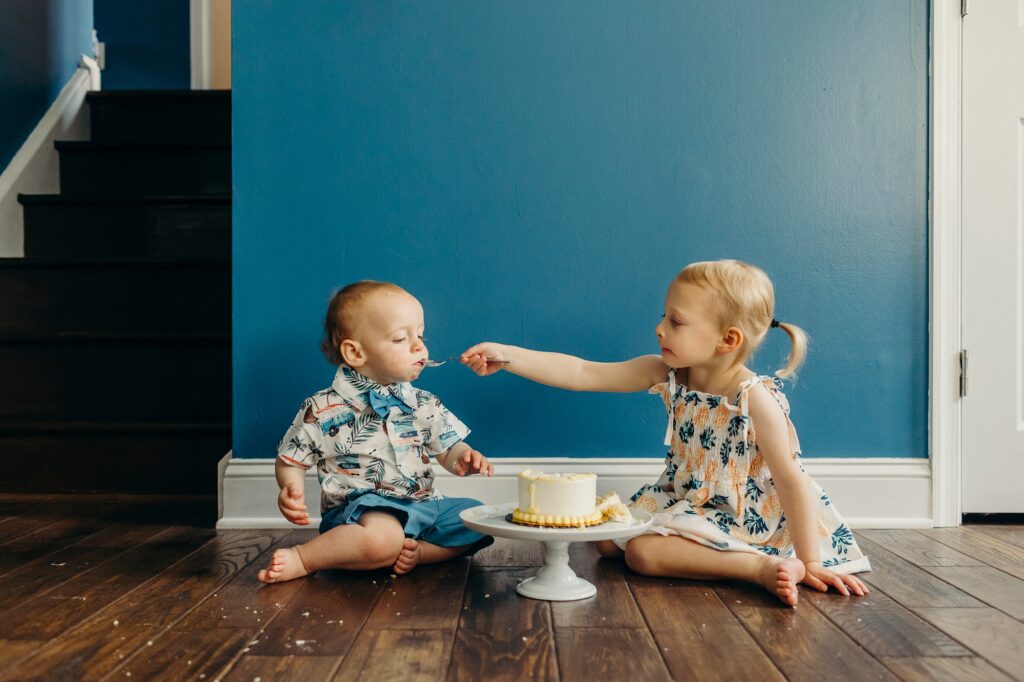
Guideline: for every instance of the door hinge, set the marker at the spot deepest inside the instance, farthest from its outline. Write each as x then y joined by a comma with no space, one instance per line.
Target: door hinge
963,373
963,8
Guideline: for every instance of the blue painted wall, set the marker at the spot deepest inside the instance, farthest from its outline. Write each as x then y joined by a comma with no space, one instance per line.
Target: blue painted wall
40,43
147,43
536,173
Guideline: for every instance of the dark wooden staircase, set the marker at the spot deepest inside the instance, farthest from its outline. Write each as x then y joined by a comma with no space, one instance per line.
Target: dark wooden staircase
115,328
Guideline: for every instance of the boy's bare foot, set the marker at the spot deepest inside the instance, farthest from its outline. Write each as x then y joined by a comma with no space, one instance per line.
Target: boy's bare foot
285,564
408,557
781,576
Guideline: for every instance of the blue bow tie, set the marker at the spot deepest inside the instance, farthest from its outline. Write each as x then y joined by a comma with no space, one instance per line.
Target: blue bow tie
383,402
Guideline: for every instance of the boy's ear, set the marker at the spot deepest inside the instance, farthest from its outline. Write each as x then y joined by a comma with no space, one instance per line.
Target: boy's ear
352,353
731,340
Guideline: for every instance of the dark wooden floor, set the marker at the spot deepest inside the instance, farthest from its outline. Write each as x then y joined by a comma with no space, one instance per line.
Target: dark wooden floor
85,594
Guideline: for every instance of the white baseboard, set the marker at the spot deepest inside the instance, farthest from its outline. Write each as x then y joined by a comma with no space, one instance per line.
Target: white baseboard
869,492
35,167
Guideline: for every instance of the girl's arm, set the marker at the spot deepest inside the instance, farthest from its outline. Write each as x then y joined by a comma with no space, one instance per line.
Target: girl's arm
798,503
567,371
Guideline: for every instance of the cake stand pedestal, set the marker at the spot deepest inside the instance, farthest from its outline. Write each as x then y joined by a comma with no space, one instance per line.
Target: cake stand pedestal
556,581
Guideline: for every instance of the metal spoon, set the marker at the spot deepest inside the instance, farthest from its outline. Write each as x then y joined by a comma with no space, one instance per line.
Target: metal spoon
438,363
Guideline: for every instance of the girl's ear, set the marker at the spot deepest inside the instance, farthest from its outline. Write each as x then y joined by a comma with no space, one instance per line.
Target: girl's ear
732,339
352,353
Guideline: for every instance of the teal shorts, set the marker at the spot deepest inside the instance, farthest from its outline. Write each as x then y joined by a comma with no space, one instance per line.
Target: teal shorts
432,520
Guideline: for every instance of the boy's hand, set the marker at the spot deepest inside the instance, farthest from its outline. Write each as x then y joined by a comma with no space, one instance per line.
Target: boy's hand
484,358
472,462
292,503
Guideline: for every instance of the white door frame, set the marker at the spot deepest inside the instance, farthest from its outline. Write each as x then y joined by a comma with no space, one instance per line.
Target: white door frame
944,200
201,43
206,36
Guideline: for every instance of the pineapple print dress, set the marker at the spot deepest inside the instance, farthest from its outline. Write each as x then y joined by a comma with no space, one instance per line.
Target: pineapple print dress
717,490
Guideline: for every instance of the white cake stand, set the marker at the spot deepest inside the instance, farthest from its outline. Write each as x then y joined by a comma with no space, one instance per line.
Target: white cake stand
555,581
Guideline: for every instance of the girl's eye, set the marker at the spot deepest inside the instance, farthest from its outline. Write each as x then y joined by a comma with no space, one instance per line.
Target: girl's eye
676,323
401,340
422,338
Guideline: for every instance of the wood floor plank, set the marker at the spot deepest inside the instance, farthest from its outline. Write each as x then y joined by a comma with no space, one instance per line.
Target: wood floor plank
186,655
502,636
910,585
990,633
613,605
506,552
801,642
400,654
268,668
107,639
324,615
963,669
45,541
992,586
40,576
918,549
243,601
429,598
13,650
982,546
1012,534
587,654
19,527
51,614
709,639
882,626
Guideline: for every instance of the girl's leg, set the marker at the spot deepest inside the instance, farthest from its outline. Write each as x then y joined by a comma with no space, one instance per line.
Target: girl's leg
373,542
678,557
608,549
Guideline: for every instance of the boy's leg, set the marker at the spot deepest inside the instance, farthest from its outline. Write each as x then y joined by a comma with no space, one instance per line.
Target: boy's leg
442,536
415,552
677,557
373,542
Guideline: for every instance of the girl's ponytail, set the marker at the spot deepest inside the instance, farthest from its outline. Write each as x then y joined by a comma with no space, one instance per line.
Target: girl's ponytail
798,339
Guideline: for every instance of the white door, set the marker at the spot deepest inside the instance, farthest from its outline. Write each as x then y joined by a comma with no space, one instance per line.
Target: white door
993,256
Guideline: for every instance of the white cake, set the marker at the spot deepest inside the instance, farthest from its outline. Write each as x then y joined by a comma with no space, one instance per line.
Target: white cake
562,500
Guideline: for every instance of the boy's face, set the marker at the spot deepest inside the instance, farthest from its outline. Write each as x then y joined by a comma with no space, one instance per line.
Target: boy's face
688,334
387,343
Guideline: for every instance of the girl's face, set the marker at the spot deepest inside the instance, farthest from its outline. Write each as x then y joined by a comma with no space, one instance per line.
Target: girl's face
688,333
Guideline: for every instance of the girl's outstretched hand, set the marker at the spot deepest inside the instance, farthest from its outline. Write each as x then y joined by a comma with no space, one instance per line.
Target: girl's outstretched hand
485,358
820,578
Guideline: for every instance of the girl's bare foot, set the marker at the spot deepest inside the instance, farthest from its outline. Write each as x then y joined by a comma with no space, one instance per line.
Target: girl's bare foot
285,564
781,576
408,557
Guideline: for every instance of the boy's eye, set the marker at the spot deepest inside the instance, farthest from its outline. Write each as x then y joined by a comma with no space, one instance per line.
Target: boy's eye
422,338
401,340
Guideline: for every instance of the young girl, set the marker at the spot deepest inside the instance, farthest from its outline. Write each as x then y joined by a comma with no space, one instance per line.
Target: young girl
734,500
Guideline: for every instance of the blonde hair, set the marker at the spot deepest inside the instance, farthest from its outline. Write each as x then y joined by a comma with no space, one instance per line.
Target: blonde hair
746,300
342,311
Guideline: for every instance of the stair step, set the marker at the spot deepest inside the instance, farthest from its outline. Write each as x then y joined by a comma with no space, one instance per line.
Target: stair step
190,228
118,379
109,170
41,298
167,116
147,458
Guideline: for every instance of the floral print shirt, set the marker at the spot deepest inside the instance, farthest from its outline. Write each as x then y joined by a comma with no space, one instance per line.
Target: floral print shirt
356,451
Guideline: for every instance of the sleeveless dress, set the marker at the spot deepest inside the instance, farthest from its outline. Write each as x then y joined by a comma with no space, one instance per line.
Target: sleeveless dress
717,490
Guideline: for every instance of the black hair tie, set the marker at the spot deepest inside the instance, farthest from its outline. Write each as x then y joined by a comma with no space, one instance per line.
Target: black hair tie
775,323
